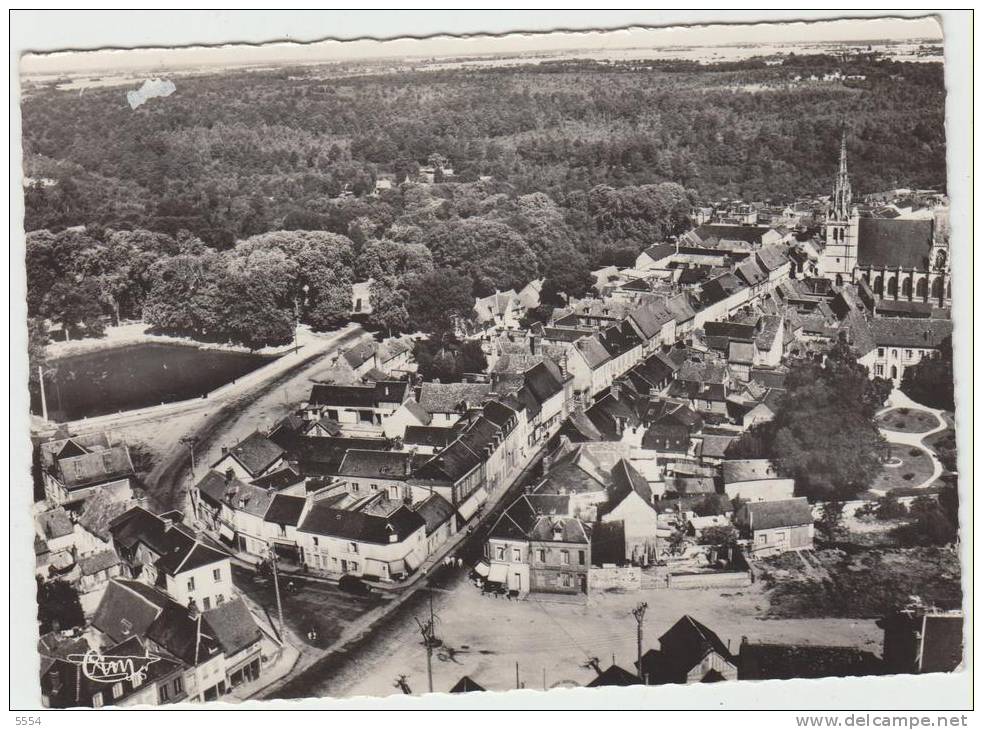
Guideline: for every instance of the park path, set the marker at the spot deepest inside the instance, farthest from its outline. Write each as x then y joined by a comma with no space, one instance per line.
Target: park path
897,399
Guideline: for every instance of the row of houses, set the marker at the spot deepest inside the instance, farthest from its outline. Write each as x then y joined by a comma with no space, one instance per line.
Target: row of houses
171,607
378,507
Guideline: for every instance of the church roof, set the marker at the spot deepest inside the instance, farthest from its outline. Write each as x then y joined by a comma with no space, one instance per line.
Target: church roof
893,243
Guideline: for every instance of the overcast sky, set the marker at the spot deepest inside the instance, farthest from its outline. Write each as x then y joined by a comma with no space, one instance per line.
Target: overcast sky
158,59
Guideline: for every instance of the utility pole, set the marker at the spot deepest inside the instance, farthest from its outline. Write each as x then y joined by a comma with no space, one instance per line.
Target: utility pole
44,401
517,685
276,589
426,631
190,442
639,613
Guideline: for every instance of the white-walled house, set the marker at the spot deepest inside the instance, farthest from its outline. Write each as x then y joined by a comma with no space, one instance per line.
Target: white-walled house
76,468
378,546
251,458
160,551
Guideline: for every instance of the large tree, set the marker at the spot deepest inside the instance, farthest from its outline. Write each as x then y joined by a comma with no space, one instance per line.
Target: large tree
930,382
823,434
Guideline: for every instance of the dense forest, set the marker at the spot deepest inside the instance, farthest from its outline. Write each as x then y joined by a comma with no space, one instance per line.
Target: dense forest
245,200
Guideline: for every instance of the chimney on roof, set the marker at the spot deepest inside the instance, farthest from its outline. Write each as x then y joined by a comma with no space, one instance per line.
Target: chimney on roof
616,390
536,344
229,475
168,522
192,608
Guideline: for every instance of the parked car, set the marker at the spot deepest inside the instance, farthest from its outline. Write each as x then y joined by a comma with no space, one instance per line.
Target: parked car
351,584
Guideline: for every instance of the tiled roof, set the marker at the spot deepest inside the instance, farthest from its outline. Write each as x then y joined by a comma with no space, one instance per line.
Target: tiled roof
625,479
54,523
772,257
659,251
745,470
285,509
96,467
360,526
533,517
592,351
741,353
432,436
650,318
435,511
892,243
322,456
233,626
360,353
780,513
97,562
449,397
128,608
747,234
376,464
684,646
255,452
904,332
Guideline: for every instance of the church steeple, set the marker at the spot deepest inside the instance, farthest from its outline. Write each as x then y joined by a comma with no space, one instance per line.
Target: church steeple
842,194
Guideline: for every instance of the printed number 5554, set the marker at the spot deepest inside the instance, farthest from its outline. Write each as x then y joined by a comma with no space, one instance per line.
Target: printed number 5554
27,720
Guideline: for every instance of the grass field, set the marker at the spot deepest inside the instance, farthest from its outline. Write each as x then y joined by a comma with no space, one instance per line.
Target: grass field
907,420
915,468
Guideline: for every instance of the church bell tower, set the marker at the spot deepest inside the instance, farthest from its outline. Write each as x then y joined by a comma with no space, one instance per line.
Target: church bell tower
842,227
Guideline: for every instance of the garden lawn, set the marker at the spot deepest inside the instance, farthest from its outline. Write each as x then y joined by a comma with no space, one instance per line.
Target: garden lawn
907,420
915,468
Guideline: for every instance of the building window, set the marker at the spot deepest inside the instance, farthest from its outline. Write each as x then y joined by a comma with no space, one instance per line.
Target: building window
165,693
353,547
217,575
567,580
894,354
207,603
118,690
499,553
191,584
565,557
355,487
908,354
315,542
516,555
137,679
581,557
375,487
178,687
541,556
97,699
878,370
219,599
880,352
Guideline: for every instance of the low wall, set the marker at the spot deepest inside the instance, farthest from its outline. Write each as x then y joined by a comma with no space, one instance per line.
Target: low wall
614,579
729,579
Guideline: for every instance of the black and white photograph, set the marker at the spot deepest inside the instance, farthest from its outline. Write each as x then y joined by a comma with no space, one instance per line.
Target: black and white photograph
540,361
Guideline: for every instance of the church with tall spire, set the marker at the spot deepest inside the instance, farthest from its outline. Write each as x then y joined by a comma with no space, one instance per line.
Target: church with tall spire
842,226
900,258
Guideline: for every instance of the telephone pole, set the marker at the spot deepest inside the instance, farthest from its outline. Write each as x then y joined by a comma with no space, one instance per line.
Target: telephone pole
44,401
428,631
276,589
639,613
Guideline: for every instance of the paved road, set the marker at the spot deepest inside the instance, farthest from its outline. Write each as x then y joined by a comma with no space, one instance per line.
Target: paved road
324,677
167,484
